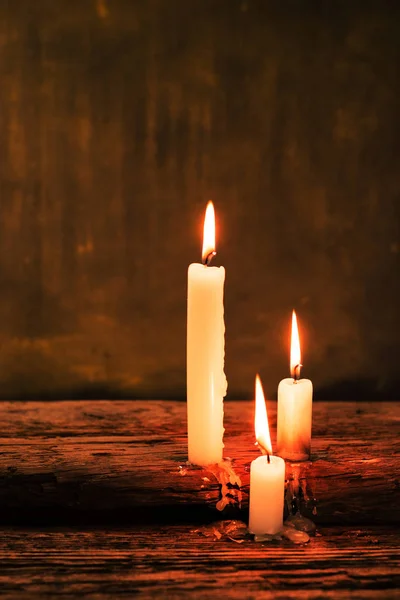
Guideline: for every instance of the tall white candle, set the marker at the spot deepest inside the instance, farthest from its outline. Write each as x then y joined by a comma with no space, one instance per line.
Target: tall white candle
206,381
294,407
267,477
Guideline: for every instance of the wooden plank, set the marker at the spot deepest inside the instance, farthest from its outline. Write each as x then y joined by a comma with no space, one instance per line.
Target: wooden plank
98,460
180,562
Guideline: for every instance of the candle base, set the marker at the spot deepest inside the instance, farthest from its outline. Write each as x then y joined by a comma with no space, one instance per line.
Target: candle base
294,456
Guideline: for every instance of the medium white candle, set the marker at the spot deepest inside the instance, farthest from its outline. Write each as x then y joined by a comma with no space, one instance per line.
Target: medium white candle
267,477
206,381
294,407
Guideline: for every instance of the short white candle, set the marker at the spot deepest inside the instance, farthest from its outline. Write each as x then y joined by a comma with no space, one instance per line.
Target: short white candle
267,477
294,407
206,381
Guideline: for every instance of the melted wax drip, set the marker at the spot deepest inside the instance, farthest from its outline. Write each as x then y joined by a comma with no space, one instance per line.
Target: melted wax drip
233,530
297,531
300,497
229,482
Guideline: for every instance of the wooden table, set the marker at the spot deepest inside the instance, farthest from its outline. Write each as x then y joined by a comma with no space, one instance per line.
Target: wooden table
96,502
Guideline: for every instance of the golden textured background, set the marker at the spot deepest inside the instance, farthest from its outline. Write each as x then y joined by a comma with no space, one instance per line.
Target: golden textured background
119,119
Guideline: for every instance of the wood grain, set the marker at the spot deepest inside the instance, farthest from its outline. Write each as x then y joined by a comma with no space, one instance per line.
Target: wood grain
180,562
120,460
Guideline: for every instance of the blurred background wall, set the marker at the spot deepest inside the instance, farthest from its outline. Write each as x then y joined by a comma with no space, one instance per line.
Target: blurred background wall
119,119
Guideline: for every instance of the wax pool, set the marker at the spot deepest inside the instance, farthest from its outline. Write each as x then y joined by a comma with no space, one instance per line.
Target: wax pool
294,419
206,381
267,489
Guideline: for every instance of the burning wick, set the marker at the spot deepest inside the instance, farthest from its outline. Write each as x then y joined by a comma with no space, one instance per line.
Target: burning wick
296,372
207,259
264,451
261,422
295,353
209,252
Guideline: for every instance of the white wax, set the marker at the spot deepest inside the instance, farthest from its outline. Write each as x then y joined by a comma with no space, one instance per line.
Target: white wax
206,381
294,419
267,490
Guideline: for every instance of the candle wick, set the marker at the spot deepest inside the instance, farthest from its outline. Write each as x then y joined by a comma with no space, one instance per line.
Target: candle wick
263,450
296,372
268,459
207,260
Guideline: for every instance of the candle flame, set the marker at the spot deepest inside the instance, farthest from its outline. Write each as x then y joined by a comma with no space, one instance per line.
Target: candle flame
295,353
209,233
261,420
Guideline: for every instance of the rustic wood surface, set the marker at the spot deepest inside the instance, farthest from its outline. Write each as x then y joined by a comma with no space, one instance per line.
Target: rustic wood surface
76,462
98,461
179,562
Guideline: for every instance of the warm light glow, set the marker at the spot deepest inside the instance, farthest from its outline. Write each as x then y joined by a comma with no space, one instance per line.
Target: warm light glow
209,232
261,419
295,354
